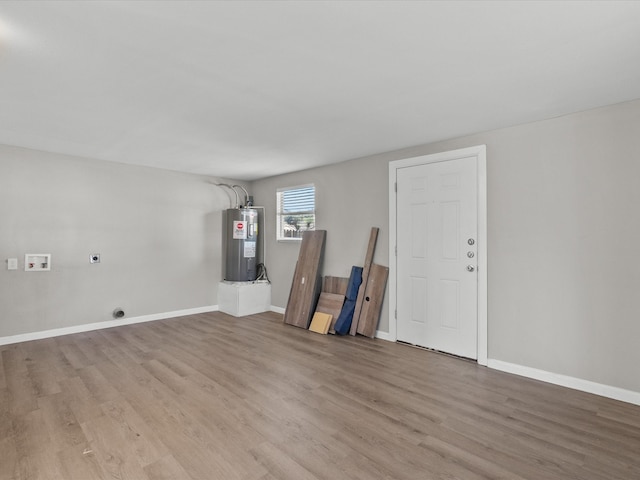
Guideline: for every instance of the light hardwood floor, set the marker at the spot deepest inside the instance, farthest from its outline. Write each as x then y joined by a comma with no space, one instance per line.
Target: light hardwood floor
216,397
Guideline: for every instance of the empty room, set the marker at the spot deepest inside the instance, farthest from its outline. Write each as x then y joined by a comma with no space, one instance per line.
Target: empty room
304,240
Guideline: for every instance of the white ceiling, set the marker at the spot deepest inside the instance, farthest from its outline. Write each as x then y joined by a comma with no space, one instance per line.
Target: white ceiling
246,90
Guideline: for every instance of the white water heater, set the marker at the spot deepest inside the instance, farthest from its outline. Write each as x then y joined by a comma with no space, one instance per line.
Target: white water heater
242,242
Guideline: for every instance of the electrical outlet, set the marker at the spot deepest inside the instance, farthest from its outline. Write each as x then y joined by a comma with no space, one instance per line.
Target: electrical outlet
94,258
12,263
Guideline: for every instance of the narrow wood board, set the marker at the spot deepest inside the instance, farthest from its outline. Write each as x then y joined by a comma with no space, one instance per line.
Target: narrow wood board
373,297
320,323
368,260
335,285
306,284
330,303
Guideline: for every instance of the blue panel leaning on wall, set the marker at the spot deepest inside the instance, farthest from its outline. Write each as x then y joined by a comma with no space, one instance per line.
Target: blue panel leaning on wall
343,324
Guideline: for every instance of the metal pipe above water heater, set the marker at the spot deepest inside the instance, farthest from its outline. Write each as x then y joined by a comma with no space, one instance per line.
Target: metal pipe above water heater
242,240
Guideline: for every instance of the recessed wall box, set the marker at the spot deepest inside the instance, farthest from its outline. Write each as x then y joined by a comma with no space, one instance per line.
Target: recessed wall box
37,262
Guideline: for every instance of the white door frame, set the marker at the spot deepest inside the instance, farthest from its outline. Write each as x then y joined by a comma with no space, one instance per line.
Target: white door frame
480,152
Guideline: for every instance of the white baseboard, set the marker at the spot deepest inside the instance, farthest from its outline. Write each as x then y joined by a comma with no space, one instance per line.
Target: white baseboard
56,332
277,309
384,336
608,391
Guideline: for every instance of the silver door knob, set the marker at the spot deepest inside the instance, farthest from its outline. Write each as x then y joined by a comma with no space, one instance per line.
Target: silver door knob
470,268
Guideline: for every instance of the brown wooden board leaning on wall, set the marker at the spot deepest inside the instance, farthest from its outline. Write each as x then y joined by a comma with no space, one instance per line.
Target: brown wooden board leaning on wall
373,297
330,303
335,285
368,260
306,284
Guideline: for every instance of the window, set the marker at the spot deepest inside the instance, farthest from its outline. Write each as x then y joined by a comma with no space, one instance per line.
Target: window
296,211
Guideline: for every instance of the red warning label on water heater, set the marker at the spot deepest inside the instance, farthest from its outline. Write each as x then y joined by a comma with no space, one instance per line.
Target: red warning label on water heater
239,232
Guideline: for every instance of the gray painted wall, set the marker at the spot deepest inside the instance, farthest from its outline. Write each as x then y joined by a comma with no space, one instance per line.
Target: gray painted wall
351,197
158,232
563,229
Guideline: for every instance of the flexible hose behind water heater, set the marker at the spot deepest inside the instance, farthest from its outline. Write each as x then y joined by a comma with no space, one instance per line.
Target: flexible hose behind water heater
262,273
247,201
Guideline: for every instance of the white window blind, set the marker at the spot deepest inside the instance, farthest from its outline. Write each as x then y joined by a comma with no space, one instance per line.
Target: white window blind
296,211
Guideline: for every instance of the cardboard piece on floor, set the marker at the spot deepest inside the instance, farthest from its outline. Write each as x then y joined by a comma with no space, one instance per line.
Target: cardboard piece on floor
368,260
306,284
320,323
373,297
330,303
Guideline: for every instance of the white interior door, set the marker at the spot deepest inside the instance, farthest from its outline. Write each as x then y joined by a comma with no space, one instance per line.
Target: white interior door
437,240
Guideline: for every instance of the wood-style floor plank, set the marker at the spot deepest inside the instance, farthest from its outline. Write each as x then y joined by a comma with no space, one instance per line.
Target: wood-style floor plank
210,396
22,397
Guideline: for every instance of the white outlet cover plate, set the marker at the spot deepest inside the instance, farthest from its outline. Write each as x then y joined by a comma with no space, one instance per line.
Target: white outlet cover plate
12,263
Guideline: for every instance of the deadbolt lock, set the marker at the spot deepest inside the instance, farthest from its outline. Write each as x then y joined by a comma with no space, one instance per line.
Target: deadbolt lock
471,254
471,241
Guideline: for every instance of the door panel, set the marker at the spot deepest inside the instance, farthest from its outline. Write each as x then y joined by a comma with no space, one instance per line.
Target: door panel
437,294
418,299
449,301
